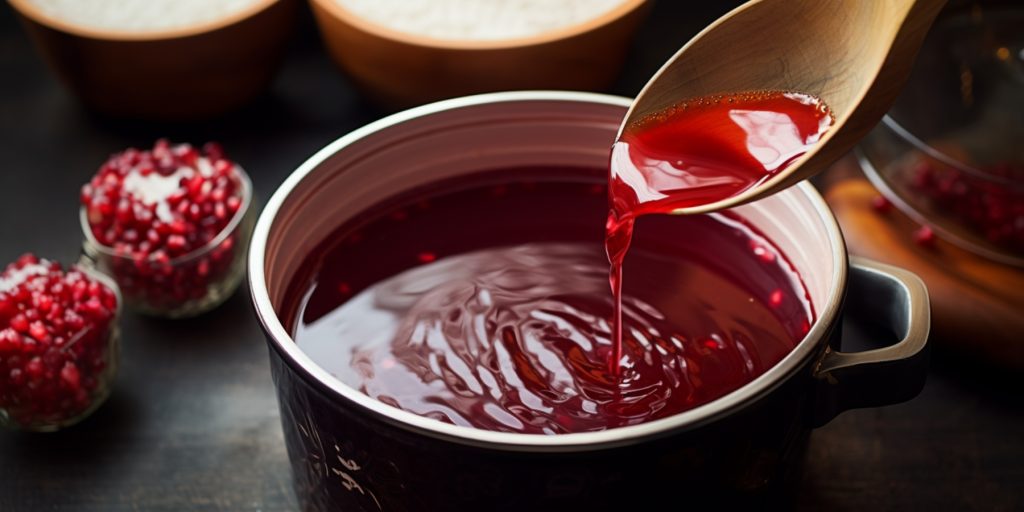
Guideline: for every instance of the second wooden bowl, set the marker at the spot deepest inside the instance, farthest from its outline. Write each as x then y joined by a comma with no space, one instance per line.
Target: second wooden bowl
399,69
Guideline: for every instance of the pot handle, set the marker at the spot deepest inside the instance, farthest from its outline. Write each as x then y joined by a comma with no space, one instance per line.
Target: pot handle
888,300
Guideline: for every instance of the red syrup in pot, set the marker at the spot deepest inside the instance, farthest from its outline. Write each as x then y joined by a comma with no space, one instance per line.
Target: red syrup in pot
484,302
700,152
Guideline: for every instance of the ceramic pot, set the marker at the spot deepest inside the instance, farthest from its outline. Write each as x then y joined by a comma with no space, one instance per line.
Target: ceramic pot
351,452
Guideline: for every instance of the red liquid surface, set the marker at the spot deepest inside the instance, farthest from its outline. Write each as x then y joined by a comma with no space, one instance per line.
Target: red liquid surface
485,303
697,153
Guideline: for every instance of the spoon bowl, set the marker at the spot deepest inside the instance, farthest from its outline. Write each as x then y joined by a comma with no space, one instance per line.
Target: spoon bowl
853,55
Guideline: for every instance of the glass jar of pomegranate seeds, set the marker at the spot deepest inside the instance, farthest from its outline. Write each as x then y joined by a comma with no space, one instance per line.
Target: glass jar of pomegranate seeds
170,225
59,343
950,154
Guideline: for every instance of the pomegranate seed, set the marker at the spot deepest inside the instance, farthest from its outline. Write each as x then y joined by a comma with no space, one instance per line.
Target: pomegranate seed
223,167
213,151
24,261
194,186
160,257
9,340
86,194
176,197
186,154
176,243
34,369
763,253
73,320
38,331
924,236
44,303
220,211
69,374
93,307
881,204
233,204
19,323
124,211
182,207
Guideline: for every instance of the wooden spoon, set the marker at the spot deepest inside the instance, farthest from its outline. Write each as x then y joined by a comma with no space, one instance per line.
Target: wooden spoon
853,54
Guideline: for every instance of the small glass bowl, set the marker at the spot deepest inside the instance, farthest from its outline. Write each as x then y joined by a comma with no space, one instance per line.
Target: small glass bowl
950,154
187,285
97,363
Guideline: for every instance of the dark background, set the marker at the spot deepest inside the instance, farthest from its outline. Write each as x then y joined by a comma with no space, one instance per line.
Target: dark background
193,424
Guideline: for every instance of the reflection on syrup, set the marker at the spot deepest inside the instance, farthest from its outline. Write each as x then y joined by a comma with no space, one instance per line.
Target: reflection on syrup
711,149
701,152
487,306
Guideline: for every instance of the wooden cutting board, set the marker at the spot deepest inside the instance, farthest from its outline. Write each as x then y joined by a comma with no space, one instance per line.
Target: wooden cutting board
977,304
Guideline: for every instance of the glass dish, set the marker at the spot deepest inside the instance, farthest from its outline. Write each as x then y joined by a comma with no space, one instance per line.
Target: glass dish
187,285
950,153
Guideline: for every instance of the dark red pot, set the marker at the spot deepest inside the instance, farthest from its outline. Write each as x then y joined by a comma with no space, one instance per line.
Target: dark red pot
350,452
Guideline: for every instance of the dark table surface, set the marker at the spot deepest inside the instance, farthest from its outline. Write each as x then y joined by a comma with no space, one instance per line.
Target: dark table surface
192,423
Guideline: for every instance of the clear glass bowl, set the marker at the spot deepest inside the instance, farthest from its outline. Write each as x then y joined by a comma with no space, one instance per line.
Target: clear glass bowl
96,359
187,285
950,153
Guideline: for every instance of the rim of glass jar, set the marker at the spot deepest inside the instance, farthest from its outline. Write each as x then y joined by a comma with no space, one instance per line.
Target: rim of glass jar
892,124
196,253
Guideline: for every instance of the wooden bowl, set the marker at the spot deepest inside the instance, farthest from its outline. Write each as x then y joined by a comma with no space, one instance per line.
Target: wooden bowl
400,69
169,74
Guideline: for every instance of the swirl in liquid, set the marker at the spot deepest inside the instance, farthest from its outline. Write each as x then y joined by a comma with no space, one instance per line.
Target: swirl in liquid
503,323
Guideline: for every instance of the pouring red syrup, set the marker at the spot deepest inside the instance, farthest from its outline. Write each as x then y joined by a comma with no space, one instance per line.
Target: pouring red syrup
701,152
